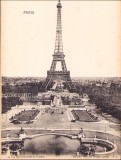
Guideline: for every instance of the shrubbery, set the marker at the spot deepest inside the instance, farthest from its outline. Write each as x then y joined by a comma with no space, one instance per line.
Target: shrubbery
8,102
108,99
23,88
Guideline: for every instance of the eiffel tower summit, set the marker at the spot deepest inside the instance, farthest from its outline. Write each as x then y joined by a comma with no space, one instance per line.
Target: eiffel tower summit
58,79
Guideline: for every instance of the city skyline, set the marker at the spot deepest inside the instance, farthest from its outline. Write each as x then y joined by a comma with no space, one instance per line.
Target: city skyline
90,38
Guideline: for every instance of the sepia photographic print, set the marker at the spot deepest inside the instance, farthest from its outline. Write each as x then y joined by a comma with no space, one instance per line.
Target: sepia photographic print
61,79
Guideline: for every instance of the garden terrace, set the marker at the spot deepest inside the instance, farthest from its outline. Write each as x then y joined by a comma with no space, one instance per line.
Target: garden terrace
26,115
83,116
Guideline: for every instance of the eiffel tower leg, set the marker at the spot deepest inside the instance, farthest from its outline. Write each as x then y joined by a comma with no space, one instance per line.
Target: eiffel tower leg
53,66
46,83
63,64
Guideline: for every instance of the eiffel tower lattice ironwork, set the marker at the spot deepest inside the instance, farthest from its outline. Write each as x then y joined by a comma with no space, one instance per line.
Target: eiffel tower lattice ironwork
58,56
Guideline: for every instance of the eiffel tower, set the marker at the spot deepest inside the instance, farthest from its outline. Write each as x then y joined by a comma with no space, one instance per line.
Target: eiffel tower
58,56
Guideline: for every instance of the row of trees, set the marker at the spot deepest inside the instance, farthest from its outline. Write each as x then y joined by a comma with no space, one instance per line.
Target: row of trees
35,87
93,89
32,87
108,99
105,103
8,102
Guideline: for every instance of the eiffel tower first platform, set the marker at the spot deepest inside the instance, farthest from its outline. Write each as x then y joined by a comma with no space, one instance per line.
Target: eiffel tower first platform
58,56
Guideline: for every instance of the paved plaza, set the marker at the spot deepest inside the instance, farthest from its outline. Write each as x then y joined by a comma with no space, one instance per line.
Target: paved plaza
59,120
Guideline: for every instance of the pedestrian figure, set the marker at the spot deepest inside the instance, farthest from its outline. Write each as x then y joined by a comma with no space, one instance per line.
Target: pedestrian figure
81,131
92,150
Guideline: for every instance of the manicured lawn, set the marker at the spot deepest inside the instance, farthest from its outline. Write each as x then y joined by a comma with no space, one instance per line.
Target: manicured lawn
26,115
83,116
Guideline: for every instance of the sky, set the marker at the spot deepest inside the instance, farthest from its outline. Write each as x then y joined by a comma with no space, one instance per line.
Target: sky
90,32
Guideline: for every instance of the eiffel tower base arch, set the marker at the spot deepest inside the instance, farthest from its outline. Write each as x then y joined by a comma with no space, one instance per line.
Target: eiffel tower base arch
63,76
